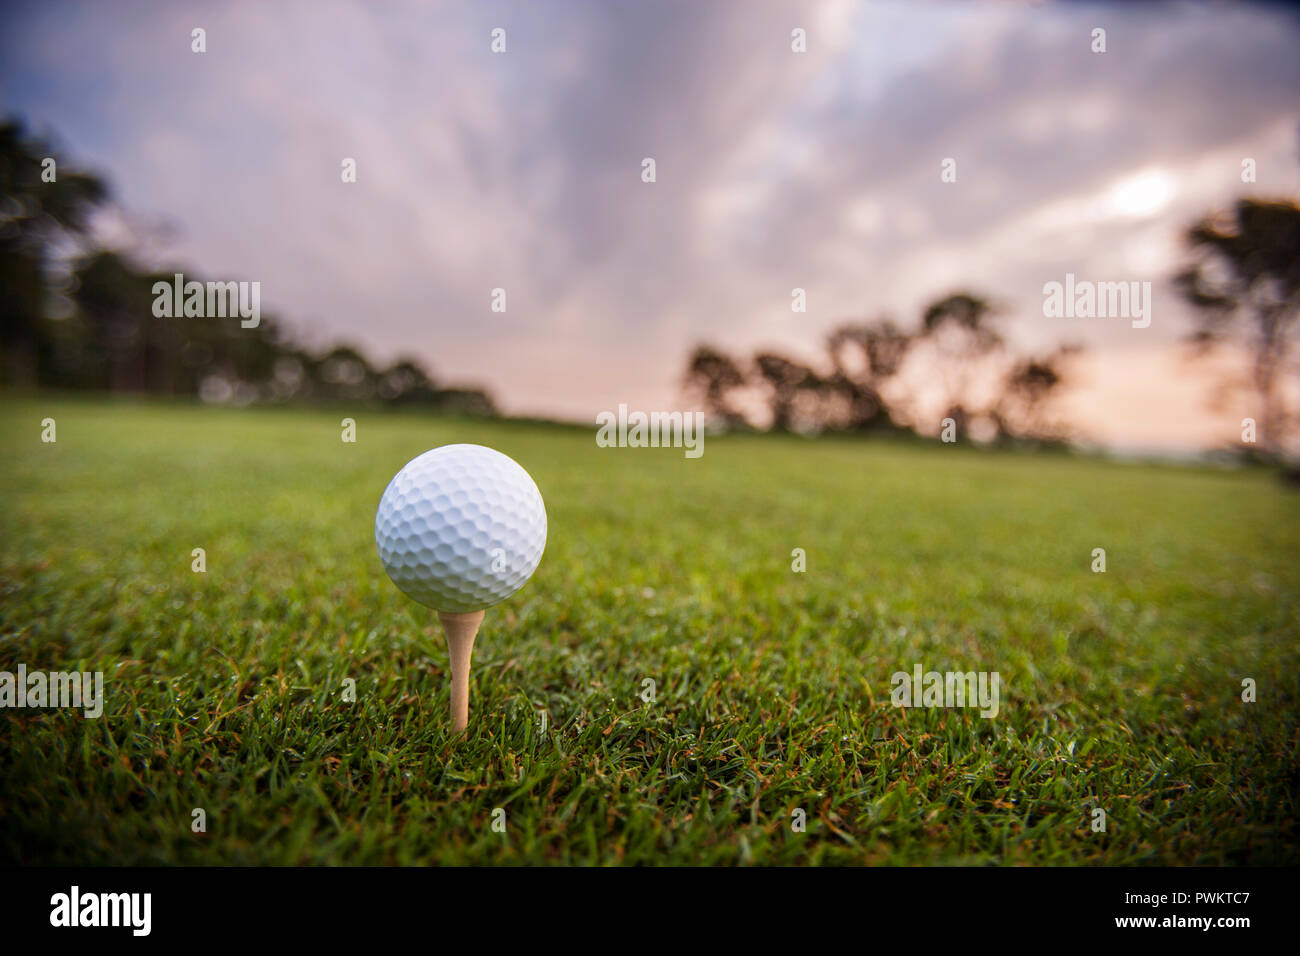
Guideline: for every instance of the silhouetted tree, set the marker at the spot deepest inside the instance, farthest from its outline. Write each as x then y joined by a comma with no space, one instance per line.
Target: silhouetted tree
464,401
863,357
711,376
791,387
406,382
104,335
959,329
343,373
36,219
866,357
1246,291
1022,410
126,349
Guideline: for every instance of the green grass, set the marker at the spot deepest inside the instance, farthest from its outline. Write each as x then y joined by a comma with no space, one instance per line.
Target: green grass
1120,690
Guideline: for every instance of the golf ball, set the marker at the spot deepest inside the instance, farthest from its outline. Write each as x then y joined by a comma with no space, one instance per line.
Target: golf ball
460,528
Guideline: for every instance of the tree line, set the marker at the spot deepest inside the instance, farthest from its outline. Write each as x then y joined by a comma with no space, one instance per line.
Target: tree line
76,316
876,376
1242,280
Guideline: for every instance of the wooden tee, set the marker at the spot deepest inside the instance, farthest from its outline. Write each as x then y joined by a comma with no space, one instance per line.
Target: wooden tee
461,629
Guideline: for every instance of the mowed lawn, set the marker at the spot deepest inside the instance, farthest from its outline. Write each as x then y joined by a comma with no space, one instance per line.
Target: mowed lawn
771,695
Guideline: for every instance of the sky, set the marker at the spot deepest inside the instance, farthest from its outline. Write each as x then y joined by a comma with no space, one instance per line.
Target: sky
775,170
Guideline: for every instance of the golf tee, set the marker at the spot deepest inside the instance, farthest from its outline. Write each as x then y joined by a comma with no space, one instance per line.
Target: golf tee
461,629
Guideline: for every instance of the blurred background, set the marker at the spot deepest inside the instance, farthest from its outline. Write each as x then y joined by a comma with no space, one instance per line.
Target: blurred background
800,260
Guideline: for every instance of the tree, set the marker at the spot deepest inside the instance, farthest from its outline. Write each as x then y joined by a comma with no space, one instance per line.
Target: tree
712,376
104,334
465,401
787,381
344,374
38,220
958,329
123,348
863,358
1023,407
115,341
406,382
874,368
1246,291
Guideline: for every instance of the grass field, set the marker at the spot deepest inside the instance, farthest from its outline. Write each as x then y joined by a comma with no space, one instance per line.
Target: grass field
224,689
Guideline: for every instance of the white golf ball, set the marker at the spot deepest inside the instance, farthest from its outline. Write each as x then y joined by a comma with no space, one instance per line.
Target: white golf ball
460,528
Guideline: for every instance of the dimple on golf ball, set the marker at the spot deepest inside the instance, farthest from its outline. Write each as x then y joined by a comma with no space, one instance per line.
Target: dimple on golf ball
460,528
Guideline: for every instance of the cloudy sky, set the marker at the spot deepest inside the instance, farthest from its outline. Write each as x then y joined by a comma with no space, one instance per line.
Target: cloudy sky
775,170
